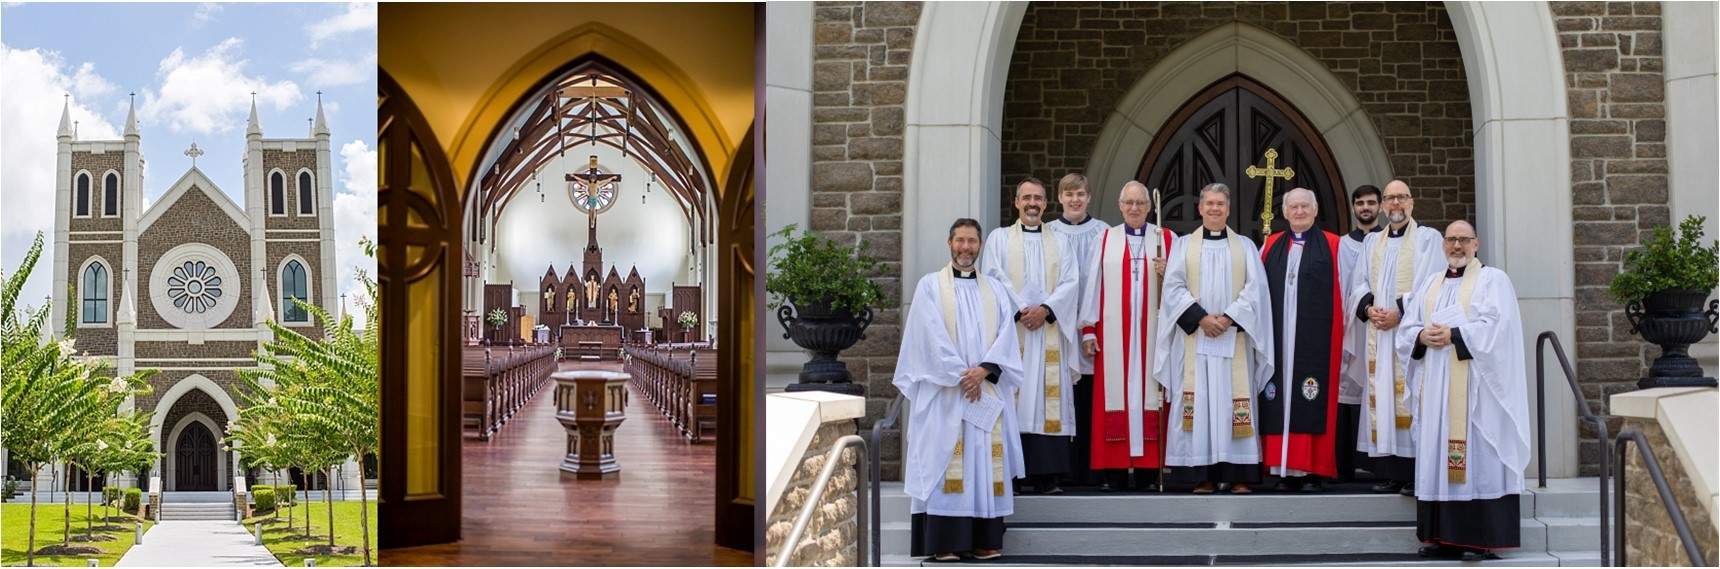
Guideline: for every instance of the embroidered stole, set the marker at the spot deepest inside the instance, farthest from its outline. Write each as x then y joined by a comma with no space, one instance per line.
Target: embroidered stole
1051,253
988,312
1403,277
1457,389
1113,317
1241,416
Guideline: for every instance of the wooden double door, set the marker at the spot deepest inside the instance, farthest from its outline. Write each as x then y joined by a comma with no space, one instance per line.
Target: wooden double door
194,468
1222,131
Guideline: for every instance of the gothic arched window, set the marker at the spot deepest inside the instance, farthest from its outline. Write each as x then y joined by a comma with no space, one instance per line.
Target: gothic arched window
110,194
294,285
95,287
81,196
307,194
277,194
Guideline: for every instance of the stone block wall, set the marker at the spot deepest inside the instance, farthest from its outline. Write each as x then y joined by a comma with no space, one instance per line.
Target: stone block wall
859,84
1074,61
1617,102
831,539
1650,538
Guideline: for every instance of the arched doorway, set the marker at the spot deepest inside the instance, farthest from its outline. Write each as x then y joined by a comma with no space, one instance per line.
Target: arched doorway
1218,134
194,456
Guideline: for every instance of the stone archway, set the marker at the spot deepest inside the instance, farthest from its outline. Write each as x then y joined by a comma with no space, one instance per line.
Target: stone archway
193,457
953,109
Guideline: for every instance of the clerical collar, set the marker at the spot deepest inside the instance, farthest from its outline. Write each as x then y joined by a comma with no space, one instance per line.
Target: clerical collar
1358,234
1452,273
1210,234
1084,220
961,274
1298,236
1136,231
1396,233
1033,229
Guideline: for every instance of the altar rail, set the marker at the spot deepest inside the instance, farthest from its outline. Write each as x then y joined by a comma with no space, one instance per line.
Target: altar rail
681,381
496,382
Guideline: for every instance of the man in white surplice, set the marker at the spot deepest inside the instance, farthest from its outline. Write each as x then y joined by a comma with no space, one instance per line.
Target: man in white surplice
1080,233
959,368
1463,339
1044,283
1390,264
1214,351
1365,207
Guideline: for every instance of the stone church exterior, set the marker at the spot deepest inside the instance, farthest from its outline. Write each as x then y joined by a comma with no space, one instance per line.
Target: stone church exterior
1567,131
184,285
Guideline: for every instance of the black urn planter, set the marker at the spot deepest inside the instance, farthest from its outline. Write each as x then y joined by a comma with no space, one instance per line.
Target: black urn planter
1674,319
824,332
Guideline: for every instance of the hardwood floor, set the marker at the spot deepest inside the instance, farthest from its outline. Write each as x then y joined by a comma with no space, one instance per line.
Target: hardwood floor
519,509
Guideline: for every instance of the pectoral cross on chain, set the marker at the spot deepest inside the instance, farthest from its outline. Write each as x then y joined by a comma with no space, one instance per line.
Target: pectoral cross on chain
1270,173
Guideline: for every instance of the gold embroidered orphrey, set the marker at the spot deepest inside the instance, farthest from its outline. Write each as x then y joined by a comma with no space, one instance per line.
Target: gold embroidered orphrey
1270,173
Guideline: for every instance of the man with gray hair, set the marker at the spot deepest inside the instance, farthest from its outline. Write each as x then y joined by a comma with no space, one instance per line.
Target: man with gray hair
1214,351
1299,407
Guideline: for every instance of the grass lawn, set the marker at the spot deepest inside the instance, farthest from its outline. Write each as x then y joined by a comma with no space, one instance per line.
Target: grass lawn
285,544
50,526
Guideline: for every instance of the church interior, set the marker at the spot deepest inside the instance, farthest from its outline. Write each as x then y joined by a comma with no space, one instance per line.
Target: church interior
566,216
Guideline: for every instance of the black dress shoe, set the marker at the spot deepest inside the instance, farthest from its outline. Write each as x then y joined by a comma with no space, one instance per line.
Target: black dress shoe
1106,487
1314,487
1437,551
1407,490
1051,489
1387,487
1471,556
1285,485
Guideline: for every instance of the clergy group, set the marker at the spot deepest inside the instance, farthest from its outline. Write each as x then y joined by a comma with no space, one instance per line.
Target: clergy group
1128,357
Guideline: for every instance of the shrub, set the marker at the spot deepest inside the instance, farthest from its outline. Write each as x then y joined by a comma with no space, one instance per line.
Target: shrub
10,489
811,268
133,500
265,498
110,494
287,494
1668,261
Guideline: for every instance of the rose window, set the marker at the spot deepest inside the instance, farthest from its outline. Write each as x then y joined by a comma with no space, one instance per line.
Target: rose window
194,287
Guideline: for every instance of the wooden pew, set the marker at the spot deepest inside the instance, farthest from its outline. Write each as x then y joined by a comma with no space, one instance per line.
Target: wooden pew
680,380
498,382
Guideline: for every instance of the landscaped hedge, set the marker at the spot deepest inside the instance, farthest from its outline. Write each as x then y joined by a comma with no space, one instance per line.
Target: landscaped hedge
133,499
265,497
287,494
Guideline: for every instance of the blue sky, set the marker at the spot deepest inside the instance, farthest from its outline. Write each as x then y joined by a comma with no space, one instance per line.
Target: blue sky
193,67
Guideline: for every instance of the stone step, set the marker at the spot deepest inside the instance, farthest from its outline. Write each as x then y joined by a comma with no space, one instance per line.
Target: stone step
1201,539
180,497
1508,559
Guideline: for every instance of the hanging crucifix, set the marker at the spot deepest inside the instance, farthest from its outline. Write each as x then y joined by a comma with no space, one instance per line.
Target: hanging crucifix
597,191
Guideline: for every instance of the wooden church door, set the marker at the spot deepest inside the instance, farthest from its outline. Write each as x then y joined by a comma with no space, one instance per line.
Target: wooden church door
419,268
1218,135
194,460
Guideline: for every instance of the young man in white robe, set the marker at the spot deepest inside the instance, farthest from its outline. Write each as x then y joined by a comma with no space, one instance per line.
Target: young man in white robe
1214,351
1118,317
1043,278
1080,233
959,368
1390,264
1463,336
1365,210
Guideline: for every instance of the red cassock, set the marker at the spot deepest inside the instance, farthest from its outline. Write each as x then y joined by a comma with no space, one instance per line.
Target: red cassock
1312,387
1110,430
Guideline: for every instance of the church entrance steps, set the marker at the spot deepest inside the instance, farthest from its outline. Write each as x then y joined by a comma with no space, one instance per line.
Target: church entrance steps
218,497
197,506
1346,525
1511,559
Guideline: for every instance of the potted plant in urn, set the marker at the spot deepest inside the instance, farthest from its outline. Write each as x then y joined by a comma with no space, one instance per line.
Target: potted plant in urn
1663,287
497,319
823,295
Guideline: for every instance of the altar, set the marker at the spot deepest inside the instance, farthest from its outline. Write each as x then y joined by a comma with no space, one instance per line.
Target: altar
592,342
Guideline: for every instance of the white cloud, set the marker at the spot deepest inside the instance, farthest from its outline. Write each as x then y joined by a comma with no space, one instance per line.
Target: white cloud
354,216
205,12
325,73
36,82
87,85
210,93
359,16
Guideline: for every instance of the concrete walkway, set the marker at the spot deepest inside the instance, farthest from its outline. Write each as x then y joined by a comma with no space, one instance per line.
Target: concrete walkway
198,544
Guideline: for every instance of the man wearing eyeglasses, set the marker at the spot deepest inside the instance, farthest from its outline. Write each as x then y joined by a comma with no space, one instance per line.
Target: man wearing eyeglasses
1462,336
1389,266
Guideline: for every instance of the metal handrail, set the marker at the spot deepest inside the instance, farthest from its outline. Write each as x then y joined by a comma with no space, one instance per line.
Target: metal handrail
1541,342
1666,499
877,476
804,518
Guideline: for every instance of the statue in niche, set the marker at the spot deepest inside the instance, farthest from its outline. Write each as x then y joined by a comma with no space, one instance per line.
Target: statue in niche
633,302
572,300
591,290
614,305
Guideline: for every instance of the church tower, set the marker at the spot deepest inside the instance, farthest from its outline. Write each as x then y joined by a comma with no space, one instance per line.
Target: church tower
289,202
98,189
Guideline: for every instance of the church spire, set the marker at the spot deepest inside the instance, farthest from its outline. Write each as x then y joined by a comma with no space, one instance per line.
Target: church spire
131,118
66,118
251,125
127,306
321,127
